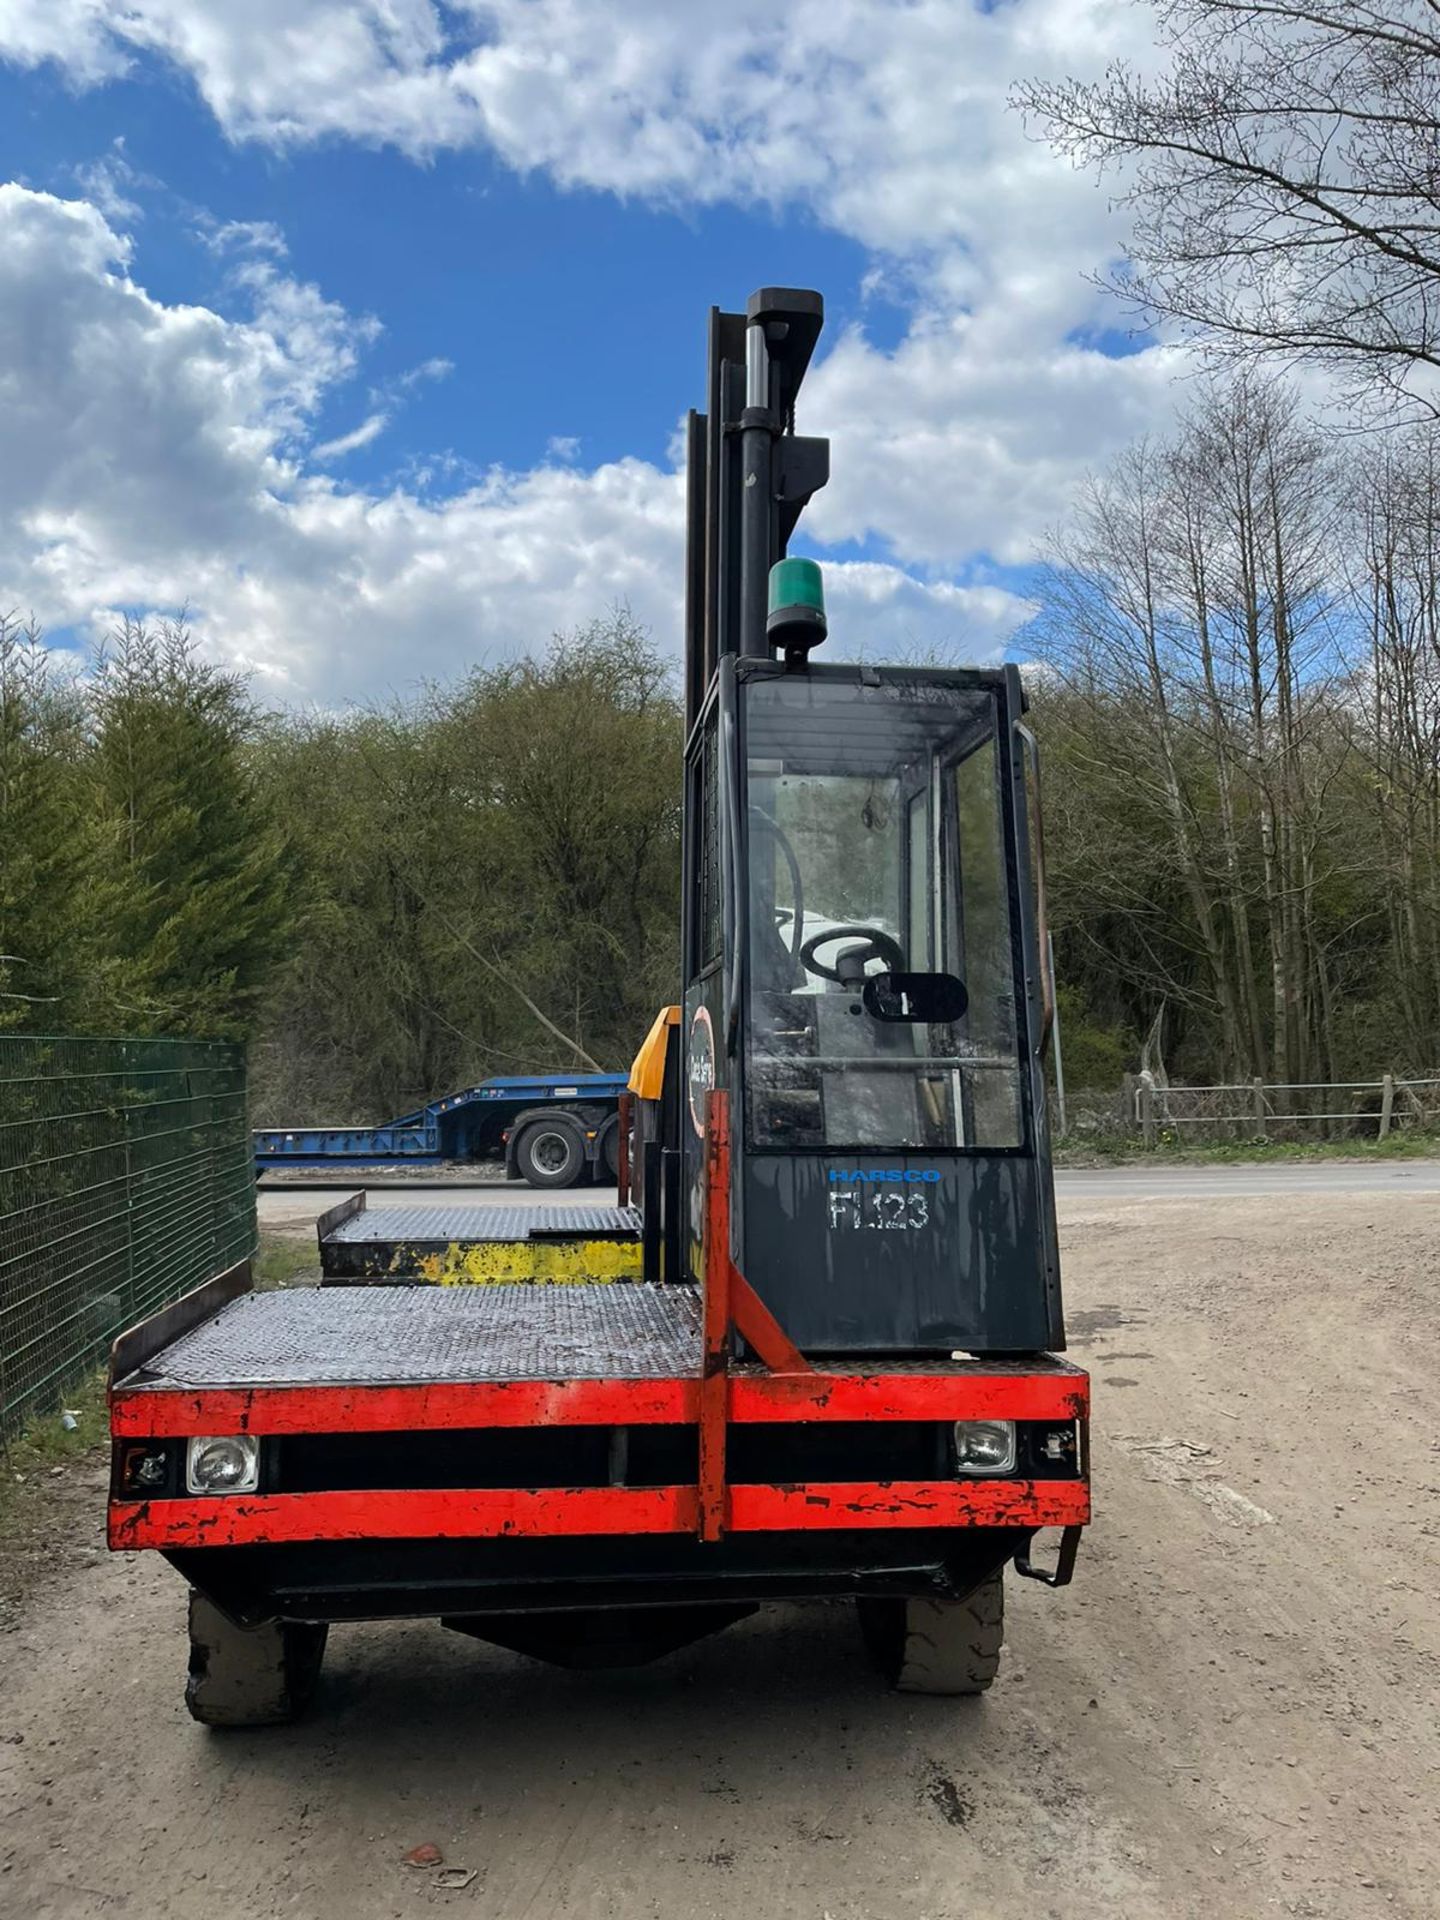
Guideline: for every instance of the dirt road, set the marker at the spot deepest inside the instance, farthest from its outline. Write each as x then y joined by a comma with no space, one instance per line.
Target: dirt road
1232,1712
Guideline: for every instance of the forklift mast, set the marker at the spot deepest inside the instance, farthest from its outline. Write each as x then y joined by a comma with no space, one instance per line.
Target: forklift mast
865,968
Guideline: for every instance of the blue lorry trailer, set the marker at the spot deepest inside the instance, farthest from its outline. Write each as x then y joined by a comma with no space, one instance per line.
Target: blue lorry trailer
552,1129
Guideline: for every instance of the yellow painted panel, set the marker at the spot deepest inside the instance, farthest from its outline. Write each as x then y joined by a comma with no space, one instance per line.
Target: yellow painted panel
545,1263
647,1075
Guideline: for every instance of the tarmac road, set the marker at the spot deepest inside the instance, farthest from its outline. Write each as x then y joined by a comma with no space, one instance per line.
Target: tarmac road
1234,1712
1287,1178
289,1206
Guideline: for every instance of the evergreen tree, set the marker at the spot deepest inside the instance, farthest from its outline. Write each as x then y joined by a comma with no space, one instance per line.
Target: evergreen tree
47,956
200,885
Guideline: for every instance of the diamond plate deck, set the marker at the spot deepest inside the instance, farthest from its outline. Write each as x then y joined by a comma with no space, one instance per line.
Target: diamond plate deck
346,1336
445,1226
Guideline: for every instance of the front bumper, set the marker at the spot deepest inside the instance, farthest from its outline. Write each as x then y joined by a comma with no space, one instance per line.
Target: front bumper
836,1450
489,1513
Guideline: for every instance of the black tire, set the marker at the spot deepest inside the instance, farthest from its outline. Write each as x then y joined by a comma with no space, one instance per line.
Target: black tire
938,1646
260,1676
550,1153
610,1150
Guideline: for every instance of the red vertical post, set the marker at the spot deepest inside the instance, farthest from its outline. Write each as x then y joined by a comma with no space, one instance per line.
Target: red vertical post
715,1378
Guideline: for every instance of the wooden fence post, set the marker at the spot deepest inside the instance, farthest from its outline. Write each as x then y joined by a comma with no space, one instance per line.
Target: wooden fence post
1387,1104
1145,1100
1261,1111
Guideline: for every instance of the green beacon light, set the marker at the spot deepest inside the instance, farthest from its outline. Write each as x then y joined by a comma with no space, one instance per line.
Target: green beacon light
796,620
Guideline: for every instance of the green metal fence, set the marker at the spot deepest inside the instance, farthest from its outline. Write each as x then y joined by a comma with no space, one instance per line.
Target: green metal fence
125,1179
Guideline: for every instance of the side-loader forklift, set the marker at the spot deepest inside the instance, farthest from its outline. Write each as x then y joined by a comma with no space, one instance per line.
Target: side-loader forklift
816,1356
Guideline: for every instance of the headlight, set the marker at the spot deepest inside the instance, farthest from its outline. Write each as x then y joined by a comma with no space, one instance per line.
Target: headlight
145,1468
225,1465
985,1446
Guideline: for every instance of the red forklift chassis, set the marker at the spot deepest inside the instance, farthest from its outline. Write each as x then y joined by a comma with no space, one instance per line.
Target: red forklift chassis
657,1488
151,1411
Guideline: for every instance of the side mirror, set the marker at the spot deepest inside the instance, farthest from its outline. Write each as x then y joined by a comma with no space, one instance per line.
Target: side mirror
917,997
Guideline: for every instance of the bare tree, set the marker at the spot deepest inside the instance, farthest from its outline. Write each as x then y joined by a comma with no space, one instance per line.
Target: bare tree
1118,638
1263,634
1190,615
1284,176
1399,508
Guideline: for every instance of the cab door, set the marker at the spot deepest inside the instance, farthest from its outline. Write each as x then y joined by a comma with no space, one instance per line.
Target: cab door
891,1187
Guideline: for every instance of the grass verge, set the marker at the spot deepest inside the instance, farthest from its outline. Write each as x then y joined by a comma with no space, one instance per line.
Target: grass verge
283,1257
35,1459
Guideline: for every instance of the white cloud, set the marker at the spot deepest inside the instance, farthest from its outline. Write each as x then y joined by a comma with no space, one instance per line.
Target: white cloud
158,455
886,119
435,368
108,183
73,33
967,440
242,237
351,442
878,610
131,427
279,70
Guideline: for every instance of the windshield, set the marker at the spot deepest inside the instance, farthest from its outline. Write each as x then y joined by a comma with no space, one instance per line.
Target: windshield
882,988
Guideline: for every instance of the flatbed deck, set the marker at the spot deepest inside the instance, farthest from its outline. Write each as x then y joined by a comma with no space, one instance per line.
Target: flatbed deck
377,1336
474,1220
418,1336
470,1243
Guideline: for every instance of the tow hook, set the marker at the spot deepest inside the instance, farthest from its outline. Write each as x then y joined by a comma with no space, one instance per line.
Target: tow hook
1064,1566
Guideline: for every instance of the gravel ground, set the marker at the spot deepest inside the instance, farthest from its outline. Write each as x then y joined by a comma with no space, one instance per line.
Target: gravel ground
1232,1712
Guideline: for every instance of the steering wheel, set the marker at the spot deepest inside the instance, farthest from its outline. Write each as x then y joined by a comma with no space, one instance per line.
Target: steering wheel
871,943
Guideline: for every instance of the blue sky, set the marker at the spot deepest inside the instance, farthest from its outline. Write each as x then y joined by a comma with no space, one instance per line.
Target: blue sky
363,327
563,315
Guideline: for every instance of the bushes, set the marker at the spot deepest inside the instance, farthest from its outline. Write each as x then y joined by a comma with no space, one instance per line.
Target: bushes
490,879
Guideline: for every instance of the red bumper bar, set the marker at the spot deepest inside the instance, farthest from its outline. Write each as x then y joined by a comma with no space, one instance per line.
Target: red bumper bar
457,1514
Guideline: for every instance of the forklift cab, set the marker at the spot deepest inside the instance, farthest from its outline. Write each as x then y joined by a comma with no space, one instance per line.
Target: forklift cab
865,861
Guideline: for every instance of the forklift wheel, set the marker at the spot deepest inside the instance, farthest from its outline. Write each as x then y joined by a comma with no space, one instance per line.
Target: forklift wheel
938,1646
258,1676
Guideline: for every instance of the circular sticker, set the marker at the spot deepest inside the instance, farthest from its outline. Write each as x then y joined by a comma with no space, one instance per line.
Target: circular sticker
701,1068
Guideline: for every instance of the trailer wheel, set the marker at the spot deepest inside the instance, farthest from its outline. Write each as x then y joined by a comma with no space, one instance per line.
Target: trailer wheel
261,1676
550,1154
938,1646
610,1150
